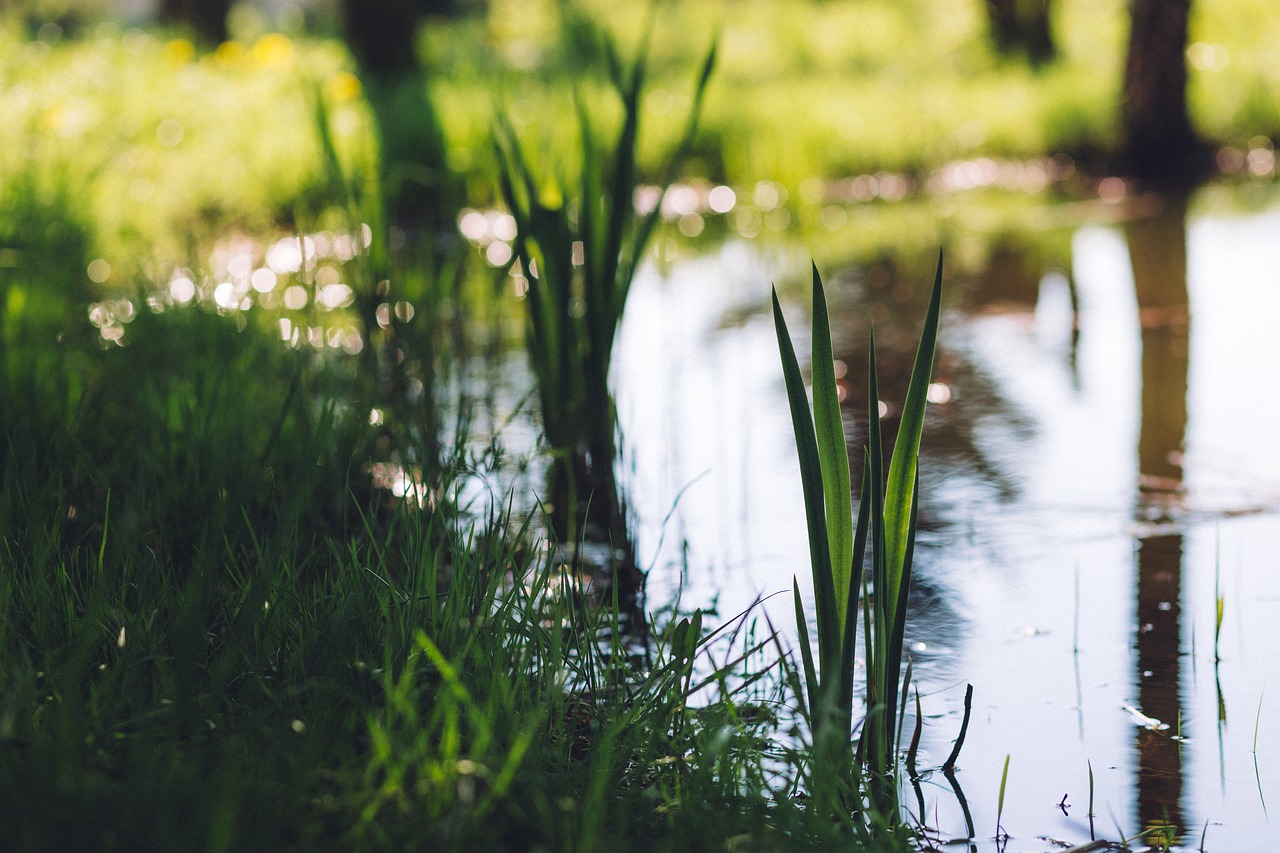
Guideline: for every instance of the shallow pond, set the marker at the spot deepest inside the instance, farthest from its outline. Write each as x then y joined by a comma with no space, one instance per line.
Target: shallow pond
1099,467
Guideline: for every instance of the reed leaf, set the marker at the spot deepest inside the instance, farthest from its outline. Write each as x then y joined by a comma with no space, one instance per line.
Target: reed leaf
574,310
886,522
833,454
811,484
806,648
901,483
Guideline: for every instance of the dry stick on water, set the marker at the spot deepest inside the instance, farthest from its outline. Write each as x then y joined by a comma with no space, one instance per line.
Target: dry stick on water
950,763
1087,847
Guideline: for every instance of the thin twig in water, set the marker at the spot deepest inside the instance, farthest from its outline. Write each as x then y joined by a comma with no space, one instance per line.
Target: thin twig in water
950,763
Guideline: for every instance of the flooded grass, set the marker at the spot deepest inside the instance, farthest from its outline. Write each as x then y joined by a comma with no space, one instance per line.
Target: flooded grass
579,240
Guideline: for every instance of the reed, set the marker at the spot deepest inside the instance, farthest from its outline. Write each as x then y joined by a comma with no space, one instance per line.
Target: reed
838,551
580,241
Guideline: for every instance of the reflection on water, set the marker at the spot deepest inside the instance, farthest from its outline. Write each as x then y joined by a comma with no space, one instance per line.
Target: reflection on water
1102,453
1158,254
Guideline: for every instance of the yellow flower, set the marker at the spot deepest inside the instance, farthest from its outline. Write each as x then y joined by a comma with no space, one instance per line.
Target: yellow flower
229,53
273,50
179,51
342,87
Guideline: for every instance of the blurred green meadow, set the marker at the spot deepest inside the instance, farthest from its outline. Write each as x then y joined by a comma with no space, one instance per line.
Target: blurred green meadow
161,143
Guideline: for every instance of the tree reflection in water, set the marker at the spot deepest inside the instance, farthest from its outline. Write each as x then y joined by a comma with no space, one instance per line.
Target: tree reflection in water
1158,253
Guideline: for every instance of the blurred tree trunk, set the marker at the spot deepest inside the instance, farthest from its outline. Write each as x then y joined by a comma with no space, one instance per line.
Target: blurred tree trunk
1160,146
381,36
1022,27
206,18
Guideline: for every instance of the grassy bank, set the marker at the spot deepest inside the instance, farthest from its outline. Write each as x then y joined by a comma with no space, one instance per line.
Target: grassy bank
252,598
222,631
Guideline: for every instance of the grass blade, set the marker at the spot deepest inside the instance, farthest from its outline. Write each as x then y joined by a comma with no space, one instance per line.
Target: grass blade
900,484
811,482
806,650
833,453
1004,779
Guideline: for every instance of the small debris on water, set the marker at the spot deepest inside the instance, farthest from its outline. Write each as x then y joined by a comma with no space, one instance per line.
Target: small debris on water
1148,723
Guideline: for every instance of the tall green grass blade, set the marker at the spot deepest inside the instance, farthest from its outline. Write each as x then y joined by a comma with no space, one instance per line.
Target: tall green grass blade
897,637
806,649
886,522
833,454
646,225
902,708
914,749
848,643
877,662
581,242
811,483
900,485
622,181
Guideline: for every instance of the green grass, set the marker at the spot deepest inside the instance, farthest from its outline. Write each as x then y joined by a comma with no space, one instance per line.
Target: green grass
219,630
166,147
217,633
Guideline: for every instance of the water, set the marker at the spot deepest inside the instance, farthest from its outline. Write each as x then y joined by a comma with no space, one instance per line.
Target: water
1104,468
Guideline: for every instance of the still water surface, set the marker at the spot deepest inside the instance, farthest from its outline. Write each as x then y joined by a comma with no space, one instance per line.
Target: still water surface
1103,464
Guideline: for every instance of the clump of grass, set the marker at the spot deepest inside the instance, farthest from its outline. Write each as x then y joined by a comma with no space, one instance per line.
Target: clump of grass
838,550
580,242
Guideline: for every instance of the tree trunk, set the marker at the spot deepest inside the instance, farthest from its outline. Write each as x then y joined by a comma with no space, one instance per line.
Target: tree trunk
380,34
1160,146
206,18
1022,27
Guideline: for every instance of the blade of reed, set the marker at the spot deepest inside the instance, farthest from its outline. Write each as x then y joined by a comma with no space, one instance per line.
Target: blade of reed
897,636
622,181
1004,779
876,659
848,644
833,454
644,228
806,650
811,483
900,485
